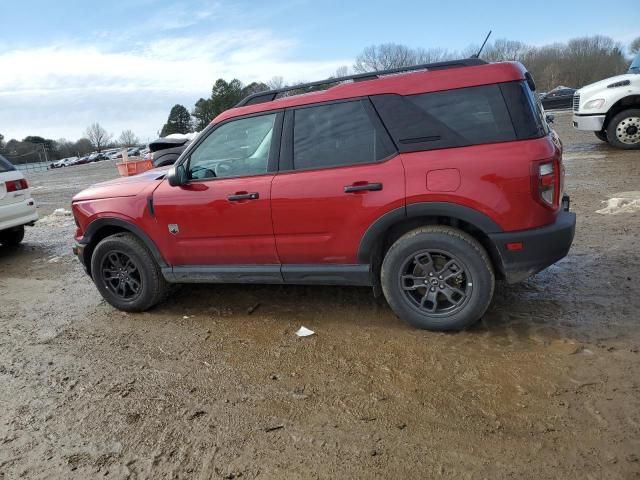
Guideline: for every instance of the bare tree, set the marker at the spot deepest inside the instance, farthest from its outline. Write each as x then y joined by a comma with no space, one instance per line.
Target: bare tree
98,136
384,57
503,50
128,139
276,83
390,55
634,46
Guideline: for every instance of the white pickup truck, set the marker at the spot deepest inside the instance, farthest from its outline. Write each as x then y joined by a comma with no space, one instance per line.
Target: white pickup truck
611,108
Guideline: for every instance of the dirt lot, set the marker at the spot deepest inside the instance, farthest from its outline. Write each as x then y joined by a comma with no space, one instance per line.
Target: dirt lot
546,386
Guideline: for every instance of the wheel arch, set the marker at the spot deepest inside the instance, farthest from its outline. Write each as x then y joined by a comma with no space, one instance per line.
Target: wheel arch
105,227
387,229
630,101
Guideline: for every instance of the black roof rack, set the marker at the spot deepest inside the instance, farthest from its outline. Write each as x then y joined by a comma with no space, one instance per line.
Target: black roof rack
270,95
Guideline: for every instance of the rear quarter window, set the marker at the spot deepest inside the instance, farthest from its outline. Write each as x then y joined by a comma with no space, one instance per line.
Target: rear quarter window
5,165
457,118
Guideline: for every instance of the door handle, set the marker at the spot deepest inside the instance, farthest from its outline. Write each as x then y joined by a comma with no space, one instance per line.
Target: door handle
372,187
237,197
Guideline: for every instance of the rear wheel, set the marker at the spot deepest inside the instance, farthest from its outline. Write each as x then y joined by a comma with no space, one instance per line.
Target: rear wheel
623,130
12,237
602,135
126,274
438,278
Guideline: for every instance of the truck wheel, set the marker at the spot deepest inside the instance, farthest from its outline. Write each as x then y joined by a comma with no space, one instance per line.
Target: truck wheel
624,129
126,274
602,135
12,237
437,278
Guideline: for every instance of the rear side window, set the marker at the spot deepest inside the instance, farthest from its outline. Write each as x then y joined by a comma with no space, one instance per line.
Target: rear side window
337,134
5,165
525,110
450,118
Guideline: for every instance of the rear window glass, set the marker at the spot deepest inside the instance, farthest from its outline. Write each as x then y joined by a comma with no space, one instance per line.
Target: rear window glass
338,134
5,165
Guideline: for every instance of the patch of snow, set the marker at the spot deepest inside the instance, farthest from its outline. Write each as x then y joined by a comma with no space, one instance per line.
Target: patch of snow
624,202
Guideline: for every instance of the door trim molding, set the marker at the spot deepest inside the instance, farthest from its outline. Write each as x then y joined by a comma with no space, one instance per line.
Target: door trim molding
324,274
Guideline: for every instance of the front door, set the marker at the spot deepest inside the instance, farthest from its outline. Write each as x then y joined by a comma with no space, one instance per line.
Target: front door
222,215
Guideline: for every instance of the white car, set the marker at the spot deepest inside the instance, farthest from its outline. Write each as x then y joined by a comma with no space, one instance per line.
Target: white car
611,108
17,208
65,162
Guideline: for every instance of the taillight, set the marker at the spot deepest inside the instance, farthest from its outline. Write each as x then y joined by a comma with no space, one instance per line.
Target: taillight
546,182
15,185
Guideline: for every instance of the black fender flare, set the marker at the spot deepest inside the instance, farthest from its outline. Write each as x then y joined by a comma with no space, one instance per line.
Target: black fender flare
100,223
422,209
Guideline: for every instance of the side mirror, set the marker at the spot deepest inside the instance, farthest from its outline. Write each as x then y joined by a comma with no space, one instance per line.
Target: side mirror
177,175
550,117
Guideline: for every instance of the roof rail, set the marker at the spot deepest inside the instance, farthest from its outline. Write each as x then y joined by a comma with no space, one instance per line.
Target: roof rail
270,95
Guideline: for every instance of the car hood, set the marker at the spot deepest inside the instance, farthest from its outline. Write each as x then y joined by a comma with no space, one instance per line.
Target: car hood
123,186
602,84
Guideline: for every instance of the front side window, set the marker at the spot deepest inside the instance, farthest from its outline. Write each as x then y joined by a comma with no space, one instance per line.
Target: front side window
236,149
338,134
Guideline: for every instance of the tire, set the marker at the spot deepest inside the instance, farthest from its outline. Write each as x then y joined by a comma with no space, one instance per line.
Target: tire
461,300
12,237
121,261
602,135
623,130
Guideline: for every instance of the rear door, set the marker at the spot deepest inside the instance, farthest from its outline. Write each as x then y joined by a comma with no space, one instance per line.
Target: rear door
338,174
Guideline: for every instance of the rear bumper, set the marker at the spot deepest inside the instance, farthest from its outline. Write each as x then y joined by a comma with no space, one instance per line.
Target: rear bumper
541,247
593,123
18,214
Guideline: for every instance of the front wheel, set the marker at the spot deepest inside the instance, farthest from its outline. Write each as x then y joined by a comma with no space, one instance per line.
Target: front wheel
12,237
126,274
438,278
623,130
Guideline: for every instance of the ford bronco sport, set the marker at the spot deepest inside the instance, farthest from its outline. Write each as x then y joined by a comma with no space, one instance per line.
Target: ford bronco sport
427,183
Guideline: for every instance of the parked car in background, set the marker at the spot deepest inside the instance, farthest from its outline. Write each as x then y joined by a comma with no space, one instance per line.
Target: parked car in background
17,208
559,97
610,108
65,162
165,151
96,157
427,186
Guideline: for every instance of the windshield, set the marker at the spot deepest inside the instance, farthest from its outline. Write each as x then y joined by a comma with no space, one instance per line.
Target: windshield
635,65
5,165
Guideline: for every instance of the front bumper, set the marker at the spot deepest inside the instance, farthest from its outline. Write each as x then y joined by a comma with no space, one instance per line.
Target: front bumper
78,251
592,123
541,247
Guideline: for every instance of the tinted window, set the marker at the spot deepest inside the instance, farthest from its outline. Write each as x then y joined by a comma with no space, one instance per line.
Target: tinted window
338,134
525,110
451,118
238,148
5,165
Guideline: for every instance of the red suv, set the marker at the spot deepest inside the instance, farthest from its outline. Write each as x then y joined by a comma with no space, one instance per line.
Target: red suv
427,183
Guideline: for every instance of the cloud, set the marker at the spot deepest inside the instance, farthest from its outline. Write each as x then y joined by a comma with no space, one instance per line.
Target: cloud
56,90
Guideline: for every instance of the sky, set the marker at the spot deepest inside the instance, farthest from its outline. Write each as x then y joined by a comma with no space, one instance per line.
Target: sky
124,63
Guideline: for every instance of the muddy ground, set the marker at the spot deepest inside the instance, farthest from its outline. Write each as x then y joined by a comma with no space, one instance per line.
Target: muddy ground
547,385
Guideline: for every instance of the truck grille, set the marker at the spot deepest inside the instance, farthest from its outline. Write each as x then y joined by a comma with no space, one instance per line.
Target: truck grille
576,102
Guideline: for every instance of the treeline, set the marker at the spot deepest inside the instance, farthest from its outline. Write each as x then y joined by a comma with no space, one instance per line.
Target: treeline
576,63
33,149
